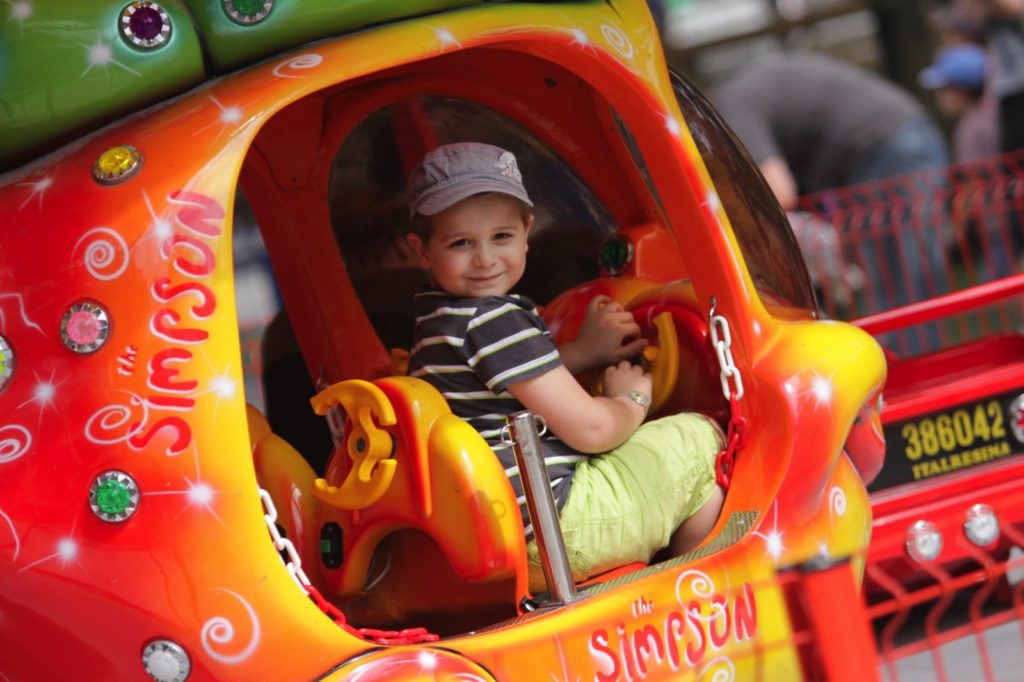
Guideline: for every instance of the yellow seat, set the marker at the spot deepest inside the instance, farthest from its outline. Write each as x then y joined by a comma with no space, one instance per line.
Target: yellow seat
288,478
431,530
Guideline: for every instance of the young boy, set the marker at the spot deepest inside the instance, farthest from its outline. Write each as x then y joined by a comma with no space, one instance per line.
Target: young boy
623,493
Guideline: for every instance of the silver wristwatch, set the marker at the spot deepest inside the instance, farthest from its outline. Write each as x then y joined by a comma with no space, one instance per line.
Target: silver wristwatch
641,399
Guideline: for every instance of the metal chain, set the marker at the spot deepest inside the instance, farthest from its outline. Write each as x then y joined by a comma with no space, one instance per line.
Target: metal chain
293,563
732,389
721,338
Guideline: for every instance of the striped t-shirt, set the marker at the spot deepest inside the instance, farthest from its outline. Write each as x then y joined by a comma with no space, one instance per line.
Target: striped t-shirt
471,349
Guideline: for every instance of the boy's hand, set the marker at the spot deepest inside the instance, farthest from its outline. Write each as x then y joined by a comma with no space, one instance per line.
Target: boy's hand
624,377
609,333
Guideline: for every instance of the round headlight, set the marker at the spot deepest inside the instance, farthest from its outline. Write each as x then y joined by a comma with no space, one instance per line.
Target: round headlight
166,661
924,541
981,525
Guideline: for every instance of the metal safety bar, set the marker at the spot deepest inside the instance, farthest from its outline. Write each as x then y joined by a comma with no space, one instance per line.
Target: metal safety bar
540,503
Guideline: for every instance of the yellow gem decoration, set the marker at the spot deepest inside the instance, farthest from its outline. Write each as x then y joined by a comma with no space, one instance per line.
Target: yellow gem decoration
116,162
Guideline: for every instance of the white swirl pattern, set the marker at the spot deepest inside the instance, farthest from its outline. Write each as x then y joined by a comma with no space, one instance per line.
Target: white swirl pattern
14,445
618,40
298,63
837,500
219,631
721,669
111,418
106,255
701,585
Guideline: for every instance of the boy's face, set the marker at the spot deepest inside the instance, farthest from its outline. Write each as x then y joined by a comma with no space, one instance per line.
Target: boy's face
476,247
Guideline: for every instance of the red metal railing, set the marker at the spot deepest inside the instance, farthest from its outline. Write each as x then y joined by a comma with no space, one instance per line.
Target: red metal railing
928,262
897,251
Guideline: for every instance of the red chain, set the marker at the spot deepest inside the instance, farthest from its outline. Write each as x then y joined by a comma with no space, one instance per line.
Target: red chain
734,440
407,636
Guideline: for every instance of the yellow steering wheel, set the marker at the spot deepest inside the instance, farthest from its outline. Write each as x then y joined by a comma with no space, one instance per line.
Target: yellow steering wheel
369,446
661,358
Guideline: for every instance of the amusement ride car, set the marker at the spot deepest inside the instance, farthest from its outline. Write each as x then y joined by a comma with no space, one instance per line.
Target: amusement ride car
151,522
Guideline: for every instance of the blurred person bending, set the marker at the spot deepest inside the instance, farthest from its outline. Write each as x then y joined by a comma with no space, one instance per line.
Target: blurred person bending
814,123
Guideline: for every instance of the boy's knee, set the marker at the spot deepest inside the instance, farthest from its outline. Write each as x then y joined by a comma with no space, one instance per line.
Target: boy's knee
704,431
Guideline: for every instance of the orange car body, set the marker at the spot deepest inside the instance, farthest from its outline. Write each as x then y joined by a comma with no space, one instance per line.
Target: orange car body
119,319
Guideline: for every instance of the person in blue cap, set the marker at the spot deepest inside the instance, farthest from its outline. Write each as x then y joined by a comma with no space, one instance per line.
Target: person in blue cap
957,79
1002,23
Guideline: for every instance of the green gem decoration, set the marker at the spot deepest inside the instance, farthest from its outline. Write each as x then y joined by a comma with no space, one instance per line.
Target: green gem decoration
114,496
247,12
615,255
248,7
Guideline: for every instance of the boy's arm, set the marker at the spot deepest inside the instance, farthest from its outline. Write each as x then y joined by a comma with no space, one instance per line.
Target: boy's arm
602,337
583,422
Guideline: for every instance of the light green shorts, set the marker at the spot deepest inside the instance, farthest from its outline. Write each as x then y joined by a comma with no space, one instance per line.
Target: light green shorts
624,505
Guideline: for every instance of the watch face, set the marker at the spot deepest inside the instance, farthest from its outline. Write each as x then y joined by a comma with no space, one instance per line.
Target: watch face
640,399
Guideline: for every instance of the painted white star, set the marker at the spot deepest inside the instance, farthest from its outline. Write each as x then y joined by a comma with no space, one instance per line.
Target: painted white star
201,493
39,188
162,228
44,392
773,539
579,37
231,115
672,125
821,389
446,38
773,543
67,550
228,116
713,202
20,11
427,659
196,494
101,54
223,386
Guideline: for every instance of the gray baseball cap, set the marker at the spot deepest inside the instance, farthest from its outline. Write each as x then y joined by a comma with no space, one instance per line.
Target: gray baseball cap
453,172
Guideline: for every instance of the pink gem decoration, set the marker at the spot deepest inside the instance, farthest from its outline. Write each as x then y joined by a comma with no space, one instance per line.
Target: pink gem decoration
83,328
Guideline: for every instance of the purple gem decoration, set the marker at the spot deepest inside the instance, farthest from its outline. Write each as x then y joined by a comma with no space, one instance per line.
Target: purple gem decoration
146,23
